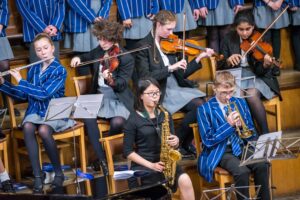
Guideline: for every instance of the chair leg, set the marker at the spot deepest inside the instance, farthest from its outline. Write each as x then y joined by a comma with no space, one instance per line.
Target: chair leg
278,117
61,157
83,160
5,156
222,185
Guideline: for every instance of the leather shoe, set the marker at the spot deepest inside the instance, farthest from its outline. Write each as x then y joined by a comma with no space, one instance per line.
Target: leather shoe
38,184
7,186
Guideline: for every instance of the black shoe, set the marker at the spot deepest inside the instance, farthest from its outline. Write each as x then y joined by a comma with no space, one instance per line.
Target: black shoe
185,154
38,184
2,135
96,165
7,186
192,149
57,184
104,167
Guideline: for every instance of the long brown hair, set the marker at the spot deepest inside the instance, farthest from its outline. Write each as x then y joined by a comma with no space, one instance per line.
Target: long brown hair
163,17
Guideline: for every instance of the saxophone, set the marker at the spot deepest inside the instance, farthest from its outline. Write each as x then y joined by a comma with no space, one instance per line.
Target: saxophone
168,155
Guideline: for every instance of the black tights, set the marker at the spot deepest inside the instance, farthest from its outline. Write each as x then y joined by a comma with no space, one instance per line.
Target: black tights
215,34
273,37
116,126
45,132
185,132
296,45
257,109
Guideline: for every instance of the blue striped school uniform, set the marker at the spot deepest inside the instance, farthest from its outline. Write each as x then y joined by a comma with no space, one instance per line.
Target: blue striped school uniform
212,4
176,6
258,3
39,88
294,3
80,14
215,132
137,8
38,14
4,16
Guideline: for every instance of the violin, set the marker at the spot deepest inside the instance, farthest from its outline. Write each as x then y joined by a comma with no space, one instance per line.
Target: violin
110,59
173,44
257,46
260,49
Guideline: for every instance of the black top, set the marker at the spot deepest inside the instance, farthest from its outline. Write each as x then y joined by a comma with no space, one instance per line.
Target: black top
145,66
121,75
231,45
140,136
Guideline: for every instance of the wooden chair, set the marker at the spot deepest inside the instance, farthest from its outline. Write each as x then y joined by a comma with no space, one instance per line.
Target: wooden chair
82,86
4,152
275,102
113,145
221,175
18,135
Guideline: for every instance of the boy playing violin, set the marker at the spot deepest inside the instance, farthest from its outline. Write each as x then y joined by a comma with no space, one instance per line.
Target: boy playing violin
266,84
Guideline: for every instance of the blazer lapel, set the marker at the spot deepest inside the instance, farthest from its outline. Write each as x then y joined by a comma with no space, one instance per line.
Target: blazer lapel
217,112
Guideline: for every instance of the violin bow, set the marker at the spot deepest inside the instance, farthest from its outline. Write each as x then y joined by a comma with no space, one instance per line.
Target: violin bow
265,31
109,57
183,36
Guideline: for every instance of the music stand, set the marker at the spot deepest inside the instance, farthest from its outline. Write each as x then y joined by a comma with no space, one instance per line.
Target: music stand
230,192
270,147
81,107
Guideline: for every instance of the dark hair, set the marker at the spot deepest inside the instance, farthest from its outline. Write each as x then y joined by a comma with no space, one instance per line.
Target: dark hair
244,16
108,30
42,36
142,85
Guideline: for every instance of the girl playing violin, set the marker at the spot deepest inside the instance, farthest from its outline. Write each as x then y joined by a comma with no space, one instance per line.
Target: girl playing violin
44,82
111,78
178,93
266,84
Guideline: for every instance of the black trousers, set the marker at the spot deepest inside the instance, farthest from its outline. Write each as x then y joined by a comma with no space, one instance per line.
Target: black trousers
241,174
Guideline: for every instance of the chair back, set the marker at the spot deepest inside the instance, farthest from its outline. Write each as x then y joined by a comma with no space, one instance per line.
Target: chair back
113,146
82,84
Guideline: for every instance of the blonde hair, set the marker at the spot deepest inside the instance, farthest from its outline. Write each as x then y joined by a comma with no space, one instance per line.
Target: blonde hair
225,79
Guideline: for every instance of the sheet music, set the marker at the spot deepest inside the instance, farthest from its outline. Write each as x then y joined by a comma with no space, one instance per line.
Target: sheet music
60,108
267,145
87,106
84,106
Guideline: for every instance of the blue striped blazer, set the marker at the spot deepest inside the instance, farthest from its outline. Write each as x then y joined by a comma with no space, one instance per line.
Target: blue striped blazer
176,6
294,3
137,8
215,131
79,14
258,3
39,88
38,14
4,16
212,4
